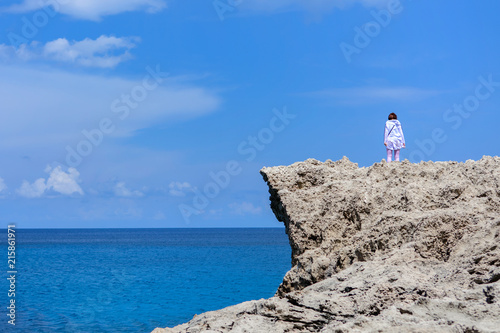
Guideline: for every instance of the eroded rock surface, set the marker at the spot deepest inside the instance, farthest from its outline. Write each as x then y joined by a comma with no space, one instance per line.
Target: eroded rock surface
395,247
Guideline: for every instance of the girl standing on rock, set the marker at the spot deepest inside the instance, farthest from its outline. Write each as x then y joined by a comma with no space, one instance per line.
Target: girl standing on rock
394,139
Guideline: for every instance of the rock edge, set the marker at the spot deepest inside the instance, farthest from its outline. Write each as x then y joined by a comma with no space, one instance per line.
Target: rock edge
395,247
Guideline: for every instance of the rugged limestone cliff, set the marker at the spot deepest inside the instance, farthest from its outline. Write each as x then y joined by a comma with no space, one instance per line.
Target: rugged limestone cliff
395,247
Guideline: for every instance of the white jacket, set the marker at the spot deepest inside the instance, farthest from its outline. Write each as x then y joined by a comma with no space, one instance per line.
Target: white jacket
393,135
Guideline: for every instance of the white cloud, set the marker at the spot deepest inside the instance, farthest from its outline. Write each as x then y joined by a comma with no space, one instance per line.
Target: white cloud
244,208
35,190
91,53
62,182
370,95
121,190
58,181
103,52
178,189
316,6
88,9
24,52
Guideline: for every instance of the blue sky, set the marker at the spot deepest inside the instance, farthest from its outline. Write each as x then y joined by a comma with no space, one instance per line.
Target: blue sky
160,113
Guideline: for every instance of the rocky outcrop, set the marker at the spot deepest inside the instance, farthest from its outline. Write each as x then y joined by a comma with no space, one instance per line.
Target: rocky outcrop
395,247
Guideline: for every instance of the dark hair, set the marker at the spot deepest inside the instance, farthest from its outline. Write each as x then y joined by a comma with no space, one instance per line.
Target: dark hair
393,116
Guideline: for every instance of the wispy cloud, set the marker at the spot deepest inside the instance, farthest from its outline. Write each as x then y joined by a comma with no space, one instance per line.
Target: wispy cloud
178,189
3,186
88,9
121,190
103,52
51,108
6,51
60,182
370,95
244,208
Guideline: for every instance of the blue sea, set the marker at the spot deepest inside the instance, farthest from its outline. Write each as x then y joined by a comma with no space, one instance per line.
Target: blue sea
134,280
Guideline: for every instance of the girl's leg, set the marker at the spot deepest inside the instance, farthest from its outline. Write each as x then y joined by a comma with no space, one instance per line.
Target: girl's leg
389,155
396,155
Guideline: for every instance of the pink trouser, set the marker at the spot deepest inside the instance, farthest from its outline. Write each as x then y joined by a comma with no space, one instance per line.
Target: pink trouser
389,155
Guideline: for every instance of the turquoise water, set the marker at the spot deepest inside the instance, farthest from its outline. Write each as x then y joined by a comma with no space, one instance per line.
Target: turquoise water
133,280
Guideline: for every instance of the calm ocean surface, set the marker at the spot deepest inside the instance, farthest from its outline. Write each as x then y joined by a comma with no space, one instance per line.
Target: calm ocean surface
133,280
